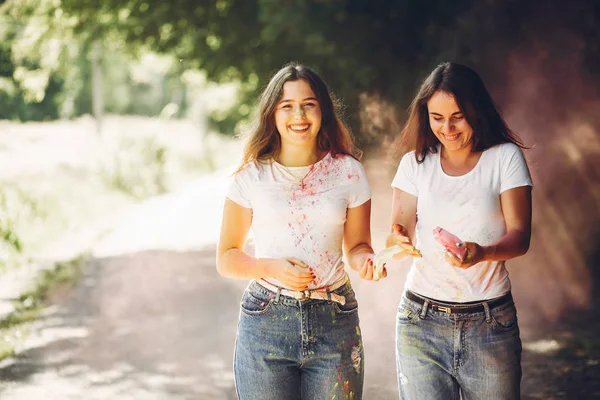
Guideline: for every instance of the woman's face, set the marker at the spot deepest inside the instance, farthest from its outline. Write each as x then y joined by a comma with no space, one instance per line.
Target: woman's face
448,123
298,114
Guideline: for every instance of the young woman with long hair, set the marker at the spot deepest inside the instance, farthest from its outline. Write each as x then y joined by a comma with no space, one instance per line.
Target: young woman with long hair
462,195
306,198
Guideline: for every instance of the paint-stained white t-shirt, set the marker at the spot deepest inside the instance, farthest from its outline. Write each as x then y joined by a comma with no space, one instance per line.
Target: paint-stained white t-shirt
467,206
301,211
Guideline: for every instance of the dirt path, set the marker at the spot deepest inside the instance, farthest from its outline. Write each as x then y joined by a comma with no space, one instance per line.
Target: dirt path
152,319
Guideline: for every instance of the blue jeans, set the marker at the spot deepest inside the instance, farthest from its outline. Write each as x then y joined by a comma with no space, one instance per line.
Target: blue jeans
470,356
290,349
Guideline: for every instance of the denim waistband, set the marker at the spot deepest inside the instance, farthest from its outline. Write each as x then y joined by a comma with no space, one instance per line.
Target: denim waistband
327,293
458,308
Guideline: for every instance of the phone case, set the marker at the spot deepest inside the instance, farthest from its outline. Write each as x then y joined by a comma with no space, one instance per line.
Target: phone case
449,241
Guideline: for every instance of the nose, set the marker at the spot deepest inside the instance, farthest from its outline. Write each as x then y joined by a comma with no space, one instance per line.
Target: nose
448,126
299,112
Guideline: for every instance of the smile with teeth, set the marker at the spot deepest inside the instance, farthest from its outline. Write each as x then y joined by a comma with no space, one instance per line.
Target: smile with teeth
300,128
450,137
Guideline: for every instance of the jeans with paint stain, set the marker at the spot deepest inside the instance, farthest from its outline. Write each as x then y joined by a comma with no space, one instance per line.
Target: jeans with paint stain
288,349
470,356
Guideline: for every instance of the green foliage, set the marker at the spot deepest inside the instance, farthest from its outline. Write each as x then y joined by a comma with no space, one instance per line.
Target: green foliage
45,68
381,48
15,207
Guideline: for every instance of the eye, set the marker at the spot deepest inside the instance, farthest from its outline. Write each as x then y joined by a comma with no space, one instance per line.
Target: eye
286,106
458,117
438,119
309,105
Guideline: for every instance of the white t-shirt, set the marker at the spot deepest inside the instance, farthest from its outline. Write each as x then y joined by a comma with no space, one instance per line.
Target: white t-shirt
302,218
467,206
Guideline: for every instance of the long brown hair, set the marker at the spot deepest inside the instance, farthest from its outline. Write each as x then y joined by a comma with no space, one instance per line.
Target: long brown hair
263,141
474,101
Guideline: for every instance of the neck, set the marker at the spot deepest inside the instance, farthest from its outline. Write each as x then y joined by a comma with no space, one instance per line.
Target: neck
298,157
460,156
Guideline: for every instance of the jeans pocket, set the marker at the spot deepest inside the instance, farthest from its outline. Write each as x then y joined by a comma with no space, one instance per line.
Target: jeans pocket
351,304
406,315
253,304
505,319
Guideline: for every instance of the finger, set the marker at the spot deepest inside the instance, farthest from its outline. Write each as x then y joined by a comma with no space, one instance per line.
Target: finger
416,254
300,278
397,239
452,260
297,262
299,271
369,274
299,275
397,228
362,272
407,246
297,283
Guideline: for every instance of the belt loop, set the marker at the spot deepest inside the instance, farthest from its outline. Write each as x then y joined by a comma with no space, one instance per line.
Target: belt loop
424,309
277,296
328,295
488,315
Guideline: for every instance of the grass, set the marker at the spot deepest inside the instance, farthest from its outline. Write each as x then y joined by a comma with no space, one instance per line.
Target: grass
28,306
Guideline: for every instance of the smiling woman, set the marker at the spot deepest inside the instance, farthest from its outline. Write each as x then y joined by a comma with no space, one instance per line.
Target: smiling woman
307,200
465,177
298,117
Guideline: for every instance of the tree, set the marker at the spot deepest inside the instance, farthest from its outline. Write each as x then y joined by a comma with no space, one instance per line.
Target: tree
378,47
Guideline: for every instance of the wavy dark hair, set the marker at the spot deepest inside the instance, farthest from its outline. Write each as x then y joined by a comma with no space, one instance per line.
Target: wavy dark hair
474,101
263,141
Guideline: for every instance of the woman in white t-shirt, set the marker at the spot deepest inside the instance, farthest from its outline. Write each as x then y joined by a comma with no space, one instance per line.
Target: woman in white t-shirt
307,200
457,332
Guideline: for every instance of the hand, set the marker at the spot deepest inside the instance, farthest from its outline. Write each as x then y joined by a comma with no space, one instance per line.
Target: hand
399,237
292,273
474,255
367,271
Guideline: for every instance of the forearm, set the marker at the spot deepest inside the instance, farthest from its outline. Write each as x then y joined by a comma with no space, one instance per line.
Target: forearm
358,254
511,245
234,263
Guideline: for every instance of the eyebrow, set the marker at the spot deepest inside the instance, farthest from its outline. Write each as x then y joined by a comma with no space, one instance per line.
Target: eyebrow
306,99
454,113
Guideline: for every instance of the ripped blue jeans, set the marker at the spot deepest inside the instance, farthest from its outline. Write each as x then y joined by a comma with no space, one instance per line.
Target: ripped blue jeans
468,356
291,349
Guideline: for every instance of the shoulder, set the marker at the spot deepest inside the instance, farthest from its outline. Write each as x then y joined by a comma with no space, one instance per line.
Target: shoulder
252,170
409,161
505,154
345,163
505,149
346,160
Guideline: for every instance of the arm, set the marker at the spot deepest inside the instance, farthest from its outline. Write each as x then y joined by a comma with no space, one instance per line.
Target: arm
404,222
517,210
233,262
357,236
404,211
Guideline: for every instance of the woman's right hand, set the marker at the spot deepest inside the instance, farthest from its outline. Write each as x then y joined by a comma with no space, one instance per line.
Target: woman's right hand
291,272
399,237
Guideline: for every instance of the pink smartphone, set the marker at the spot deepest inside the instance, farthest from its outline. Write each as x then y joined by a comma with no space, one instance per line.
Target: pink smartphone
449,241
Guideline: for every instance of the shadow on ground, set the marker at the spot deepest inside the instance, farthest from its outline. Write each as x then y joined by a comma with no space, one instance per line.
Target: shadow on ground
150,325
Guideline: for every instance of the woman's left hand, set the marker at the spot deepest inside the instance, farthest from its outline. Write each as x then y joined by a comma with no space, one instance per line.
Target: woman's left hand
474,255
